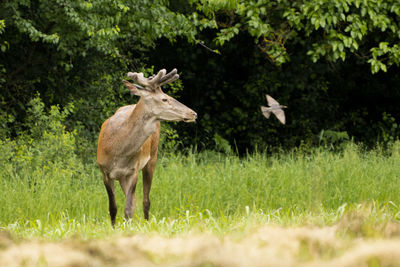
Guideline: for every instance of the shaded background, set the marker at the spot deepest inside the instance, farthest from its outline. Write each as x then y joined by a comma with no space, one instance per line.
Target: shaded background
75,55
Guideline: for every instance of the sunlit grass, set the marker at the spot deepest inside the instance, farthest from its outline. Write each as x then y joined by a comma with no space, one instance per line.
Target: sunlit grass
208,192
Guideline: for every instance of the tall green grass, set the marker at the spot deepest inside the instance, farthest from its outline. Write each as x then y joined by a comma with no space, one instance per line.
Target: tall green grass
52,194
46,190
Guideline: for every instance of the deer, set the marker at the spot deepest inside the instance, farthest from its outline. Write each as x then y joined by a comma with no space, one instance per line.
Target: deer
128,140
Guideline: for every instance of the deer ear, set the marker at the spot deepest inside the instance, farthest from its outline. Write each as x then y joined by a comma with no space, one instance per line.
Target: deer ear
136,90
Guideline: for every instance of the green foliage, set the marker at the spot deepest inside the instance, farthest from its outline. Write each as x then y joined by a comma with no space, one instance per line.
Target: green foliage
3,47
98,25
229,54
314,56
336,28
333,139
39,122
347,25
170,141
71,46
47,146
389,128
2,25
222,145
44,163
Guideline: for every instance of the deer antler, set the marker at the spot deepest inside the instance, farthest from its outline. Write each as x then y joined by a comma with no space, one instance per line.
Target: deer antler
139,78
154,82
170,77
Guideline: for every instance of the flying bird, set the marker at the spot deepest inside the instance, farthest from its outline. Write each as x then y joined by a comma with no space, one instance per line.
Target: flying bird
275,108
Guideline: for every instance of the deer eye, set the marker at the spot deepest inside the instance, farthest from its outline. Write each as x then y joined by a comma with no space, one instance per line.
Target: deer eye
164,100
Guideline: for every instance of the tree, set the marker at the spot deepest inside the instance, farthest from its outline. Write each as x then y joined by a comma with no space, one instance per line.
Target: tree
315,56
62,49
368,29
229,51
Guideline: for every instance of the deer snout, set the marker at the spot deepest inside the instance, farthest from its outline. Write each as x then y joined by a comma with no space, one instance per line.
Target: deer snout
192,116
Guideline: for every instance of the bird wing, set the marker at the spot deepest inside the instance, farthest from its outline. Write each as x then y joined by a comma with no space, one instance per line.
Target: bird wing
266,111
271,101
280,114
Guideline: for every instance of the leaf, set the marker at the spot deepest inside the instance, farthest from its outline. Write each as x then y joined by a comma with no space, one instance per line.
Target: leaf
355,45
343,55
334,46
323,23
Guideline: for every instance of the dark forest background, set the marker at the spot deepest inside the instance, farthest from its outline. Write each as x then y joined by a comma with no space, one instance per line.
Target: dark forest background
335,64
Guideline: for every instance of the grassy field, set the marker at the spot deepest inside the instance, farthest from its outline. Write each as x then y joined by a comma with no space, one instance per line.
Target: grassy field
354,192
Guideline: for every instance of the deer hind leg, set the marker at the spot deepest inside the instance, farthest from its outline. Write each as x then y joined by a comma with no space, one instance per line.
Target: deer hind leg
112,205
128,187
148,172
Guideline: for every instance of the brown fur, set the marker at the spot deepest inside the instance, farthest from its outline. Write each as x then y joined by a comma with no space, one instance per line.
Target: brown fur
128,140
109,153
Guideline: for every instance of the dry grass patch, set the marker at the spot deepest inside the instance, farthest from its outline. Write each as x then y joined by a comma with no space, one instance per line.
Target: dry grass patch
267,245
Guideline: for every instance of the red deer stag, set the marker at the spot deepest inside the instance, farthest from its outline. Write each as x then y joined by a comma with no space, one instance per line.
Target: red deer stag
128,140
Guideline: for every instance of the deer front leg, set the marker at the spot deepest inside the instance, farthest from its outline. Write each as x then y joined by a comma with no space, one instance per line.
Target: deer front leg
129,187
112,205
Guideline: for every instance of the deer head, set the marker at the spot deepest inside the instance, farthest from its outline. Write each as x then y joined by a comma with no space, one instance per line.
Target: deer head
156,102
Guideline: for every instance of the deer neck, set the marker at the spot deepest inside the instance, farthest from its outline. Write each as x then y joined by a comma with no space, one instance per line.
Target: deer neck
141,125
